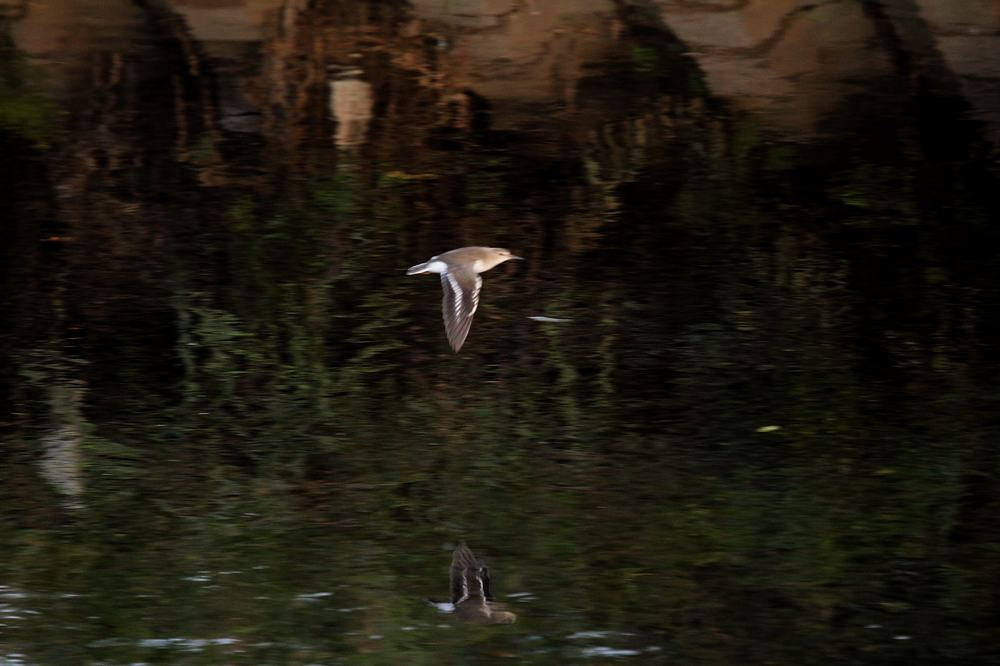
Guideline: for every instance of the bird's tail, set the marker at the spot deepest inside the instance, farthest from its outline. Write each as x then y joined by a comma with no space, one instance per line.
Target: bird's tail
419,268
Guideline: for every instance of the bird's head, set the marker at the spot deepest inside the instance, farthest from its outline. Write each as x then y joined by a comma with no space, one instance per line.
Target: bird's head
501,255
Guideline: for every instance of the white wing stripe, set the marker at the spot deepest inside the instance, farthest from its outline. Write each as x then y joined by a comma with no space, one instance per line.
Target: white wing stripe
465,589
475,295
457,292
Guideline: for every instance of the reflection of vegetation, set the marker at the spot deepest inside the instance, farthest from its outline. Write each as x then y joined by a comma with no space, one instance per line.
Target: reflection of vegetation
866,193
645,59
24,108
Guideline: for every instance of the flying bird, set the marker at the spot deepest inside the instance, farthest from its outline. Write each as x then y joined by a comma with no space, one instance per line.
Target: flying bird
459,270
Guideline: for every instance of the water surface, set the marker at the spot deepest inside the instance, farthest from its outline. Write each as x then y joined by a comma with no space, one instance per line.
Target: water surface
738,405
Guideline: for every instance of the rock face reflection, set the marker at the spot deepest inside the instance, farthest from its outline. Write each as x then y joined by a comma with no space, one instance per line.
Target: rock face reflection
62,464
351,107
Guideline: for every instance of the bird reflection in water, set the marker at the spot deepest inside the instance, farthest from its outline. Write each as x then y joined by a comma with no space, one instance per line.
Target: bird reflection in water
472,598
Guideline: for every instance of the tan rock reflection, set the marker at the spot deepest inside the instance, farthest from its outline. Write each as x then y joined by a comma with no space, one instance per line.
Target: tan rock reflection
62,464
351,103
791,61
519,53
967,35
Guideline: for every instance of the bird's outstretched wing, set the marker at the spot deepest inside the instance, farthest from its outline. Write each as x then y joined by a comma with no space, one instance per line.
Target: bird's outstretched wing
461,298
466,576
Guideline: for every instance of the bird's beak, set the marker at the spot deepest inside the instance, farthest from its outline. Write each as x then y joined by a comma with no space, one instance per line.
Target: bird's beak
514,256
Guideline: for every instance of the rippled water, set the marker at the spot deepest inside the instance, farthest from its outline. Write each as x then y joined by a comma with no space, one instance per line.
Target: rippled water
737,405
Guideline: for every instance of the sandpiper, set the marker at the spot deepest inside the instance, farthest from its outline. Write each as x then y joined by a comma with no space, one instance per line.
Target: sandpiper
460,280
472,592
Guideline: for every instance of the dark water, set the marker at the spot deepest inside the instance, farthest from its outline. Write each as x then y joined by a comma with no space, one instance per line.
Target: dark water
233,432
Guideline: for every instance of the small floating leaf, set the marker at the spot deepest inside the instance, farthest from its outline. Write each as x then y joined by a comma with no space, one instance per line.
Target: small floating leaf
769,428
